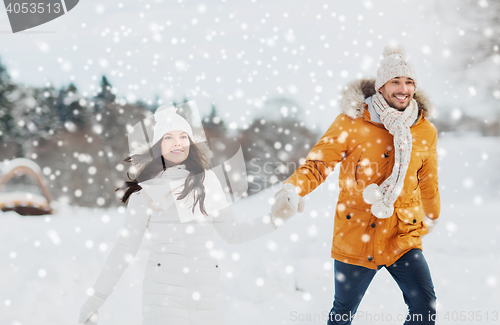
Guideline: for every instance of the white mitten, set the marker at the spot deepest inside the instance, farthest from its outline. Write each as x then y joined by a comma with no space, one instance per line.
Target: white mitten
88,312
287,202
93,319
431,223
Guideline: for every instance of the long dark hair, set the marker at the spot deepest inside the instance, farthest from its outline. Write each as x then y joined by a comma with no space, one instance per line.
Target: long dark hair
151,162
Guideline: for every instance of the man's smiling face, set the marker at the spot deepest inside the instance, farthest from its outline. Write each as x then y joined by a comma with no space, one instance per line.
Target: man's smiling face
398,92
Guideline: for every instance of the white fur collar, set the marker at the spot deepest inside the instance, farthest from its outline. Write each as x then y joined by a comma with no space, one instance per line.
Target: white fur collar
355,93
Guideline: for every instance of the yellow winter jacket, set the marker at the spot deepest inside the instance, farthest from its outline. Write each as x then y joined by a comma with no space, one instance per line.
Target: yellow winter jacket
365,152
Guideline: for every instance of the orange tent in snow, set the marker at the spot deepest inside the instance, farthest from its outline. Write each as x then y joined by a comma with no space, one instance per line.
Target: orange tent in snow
23,188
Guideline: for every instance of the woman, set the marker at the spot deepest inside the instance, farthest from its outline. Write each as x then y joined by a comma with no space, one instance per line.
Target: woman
180,201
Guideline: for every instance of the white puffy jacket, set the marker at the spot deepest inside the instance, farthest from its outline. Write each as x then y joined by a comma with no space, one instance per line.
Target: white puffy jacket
181,284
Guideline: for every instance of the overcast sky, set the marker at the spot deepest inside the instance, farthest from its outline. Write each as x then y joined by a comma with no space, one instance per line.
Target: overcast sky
238,53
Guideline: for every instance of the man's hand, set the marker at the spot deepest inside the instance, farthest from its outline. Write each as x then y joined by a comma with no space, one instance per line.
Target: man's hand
430,223
287,203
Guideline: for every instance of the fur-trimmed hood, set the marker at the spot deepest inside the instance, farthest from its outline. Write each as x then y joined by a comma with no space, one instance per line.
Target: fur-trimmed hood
355,93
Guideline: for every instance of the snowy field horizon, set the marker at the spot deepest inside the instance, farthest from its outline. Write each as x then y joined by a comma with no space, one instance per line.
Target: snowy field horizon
49,262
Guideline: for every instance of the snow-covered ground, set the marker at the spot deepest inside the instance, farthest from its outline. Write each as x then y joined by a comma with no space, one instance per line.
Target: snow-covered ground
48,263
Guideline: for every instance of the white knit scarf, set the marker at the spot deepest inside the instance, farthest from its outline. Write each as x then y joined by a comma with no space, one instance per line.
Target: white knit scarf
177,172
165,188
398,124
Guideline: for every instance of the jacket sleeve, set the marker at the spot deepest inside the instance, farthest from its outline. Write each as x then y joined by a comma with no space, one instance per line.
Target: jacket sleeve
323,157
232,231
429,187
130,237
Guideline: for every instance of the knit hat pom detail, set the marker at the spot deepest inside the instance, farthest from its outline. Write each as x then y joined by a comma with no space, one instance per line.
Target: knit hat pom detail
372,194
164,112
394,48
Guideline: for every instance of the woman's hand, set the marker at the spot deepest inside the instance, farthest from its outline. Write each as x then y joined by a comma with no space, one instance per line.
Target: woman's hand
287,203
88,312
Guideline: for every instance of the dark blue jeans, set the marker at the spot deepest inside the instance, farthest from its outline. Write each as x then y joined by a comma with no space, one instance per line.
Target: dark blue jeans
412,276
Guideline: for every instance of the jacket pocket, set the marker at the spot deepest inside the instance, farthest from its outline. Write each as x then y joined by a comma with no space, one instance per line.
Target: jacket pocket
349,236
409,226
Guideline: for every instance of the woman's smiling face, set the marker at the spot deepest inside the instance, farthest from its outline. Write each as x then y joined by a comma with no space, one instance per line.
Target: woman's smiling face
175,146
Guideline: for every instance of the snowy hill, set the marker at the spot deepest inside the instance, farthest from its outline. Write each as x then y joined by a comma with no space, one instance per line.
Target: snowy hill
48,263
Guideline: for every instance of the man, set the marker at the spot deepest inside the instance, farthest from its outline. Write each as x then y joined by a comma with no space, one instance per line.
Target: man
388,182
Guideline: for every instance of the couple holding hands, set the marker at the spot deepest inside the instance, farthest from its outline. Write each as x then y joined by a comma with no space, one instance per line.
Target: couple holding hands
388,200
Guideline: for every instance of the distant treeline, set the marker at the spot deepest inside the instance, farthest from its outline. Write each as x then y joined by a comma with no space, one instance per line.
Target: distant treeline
80,141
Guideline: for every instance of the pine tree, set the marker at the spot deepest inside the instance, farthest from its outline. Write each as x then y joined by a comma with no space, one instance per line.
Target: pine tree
214,125
106,92
105,95
49,122
69,108
184,110
9,132
36,114
155,104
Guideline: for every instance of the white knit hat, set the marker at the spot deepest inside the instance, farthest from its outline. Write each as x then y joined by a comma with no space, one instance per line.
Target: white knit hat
394,64
167,120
